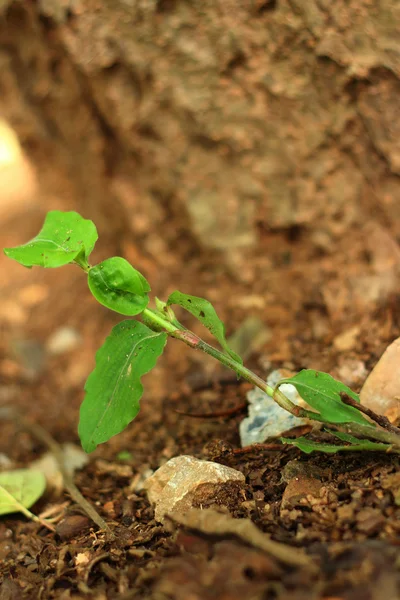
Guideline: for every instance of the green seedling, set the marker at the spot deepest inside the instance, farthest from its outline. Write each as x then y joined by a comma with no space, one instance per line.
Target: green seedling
114,388
19,490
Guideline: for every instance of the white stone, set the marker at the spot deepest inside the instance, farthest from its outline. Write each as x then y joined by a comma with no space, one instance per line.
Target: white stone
173,486
63,340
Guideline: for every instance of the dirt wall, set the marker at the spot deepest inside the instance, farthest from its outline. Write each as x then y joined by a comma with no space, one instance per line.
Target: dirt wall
235,113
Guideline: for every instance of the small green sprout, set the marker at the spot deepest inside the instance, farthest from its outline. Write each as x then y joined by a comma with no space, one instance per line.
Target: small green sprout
114,388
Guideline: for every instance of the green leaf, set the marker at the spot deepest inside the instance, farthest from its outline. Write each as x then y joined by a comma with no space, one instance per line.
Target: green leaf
113,389
118,286
20,489
64,237
345,437
204,311
351,439
321,392
309,446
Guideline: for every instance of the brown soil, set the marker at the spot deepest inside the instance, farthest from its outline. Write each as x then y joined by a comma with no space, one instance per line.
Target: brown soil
307,291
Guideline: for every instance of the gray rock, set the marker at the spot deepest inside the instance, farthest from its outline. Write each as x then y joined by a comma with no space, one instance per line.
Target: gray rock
31,355
266,419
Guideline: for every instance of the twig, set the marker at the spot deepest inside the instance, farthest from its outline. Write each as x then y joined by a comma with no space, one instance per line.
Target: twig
379,419
43,436
25,511
246,449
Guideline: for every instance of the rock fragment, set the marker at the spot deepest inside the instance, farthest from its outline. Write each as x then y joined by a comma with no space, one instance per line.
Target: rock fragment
64,339
182,481
266,419
381,391
370,520
298,489
346,340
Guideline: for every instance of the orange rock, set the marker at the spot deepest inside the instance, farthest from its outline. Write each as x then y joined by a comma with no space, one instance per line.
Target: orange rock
381,391
298,488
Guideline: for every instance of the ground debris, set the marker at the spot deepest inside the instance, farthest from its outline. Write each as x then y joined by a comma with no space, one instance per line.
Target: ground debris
217,524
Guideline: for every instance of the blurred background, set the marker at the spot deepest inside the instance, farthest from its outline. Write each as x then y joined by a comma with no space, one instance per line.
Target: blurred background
247,151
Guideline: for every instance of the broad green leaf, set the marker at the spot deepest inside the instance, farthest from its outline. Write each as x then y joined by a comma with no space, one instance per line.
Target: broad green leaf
204,311
309,446
321,392
20,489
113,389
64,237
118,286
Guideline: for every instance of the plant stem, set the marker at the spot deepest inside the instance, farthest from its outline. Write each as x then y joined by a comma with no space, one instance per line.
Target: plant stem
194,341
381,420
25,511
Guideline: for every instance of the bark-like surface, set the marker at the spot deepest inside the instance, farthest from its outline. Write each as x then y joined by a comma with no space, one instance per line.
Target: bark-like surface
236,112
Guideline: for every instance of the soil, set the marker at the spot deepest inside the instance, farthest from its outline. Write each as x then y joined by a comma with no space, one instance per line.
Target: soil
308,291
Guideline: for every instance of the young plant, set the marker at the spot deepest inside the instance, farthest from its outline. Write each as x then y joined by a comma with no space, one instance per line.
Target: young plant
114,388
19,490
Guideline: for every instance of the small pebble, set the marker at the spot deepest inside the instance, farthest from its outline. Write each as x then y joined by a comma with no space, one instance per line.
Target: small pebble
72,526
63,340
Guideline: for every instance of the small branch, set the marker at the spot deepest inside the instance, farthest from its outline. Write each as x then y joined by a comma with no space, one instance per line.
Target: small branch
192,340
42,522
253,447
379,419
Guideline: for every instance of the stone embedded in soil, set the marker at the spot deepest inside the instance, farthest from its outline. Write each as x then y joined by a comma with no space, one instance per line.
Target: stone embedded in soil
298,489
381,391
266,419
392,483
72,526
186,481
346,340
370,520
